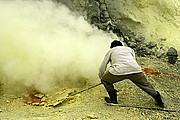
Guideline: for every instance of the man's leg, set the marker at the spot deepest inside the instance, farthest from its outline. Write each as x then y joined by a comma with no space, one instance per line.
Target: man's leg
108,79
111,91
140,80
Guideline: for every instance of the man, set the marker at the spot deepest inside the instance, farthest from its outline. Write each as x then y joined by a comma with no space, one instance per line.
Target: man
124,66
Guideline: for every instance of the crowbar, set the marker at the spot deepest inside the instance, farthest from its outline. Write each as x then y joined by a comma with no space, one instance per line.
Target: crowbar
75,93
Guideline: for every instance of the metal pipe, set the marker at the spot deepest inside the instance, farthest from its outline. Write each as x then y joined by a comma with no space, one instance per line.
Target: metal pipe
75,93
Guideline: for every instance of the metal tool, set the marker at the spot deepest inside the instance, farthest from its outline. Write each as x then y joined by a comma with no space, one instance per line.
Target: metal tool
75,93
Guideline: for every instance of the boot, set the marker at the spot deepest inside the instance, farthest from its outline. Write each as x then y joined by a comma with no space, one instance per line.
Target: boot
159,100
113,97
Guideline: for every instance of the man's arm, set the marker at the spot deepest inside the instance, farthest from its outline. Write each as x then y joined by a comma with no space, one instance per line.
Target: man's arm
133,54
103,65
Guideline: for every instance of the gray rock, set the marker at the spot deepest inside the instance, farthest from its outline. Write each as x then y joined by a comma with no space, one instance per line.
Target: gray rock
103,7
105,14
172,52
139,38
159,54
132,39
102,1
149,52
151,45
172,55
93,8
172,59
132,44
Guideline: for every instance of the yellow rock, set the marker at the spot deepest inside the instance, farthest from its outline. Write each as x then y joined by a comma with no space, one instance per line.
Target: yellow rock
92,117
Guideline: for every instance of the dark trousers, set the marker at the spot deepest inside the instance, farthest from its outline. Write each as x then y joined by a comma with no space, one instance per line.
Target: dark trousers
137,78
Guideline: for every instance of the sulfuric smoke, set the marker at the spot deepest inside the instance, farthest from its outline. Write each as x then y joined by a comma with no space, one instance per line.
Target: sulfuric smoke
42,44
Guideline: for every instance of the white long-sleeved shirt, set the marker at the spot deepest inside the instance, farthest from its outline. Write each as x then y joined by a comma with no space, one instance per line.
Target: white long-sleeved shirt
122,60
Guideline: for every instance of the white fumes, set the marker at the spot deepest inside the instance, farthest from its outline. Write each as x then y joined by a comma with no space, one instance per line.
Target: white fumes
42,43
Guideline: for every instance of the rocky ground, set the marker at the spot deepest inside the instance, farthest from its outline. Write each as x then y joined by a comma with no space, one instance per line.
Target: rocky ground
91,105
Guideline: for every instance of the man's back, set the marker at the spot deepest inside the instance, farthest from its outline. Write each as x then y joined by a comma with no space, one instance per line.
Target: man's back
123,61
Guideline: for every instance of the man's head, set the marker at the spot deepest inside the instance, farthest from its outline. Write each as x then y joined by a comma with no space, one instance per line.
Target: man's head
116,43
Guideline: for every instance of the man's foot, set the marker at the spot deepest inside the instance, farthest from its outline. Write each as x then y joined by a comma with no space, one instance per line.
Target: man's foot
159,100
108,100
113,97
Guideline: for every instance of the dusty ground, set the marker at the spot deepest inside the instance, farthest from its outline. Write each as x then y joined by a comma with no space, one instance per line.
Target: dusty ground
91,105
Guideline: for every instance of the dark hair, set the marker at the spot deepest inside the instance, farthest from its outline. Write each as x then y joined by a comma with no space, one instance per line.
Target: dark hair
116,43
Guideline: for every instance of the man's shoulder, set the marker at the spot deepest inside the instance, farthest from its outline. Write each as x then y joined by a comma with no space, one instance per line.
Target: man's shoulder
122,47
